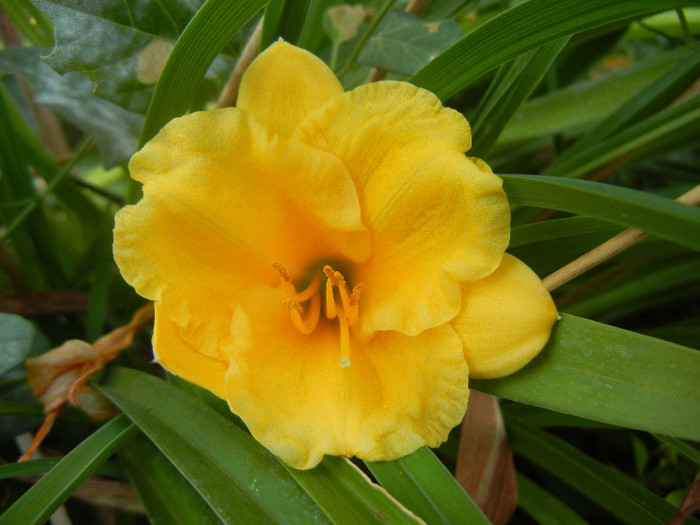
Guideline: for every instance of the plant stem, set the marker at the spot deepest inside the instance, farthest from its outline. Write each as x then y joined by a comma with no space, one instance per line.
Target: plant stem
609,248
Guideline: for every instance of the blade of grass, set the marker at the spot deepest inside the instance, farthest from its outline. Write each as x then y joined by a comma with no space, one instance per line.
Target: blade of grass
283,19
655,97
518,30
512,85
38,503
687,449
672,128
27,468
624,498
544,508
208,32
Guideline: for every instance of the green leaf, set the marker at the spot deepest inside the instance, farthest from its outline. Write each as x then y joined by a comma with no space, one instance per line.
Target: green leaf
27,468
687,449
40,256
114,129
611,490
404,43
577,107
121,45
556,229
168,497
607,374
18,340
524,27
239,479
31,22
668,130
423,484
631,208
204,37
640,288
512,85
653,98
49,493
347,496
283,19
544,508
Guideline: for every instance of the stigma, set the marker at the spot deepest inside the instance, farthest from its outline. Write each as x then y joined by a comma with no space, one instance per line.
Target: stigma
335,299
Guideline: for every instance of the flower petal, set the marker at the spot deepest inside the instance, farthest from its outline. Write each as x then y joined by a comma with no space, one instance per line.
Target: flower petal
435,217
174,354
221,205
506,319
395,394
284,85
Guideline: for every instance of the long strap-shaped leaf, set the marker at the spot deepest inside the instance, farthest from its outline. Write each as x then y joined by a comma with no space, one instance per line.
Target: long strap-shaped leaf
527,25
607,374
204,37
629,501
631,208
652,99
239,479
168,497
284,19
49,493
348,496
672,128
512,85
423,484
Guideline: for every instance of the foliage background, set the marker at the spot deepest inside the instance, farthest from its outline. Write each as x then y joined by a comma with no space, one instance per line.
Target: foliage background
592,105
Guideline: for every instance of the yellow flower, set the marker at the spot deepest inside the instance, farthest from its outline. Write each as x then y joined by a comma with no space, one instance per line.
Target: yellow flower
329,262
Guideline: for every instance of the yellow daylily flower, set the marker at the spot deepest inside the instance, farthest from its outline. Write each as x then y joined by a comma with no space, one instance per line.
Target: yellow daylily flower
329,262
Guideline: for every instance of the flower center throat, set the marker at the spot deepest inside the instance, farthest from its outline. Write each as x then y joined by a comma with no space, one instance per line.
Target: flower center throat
343,306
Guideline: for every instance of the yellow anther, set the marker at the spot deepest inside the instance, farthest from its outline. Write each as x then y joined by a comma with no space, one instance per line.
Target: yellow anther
355,295
293,305
352,311
282,271
331,274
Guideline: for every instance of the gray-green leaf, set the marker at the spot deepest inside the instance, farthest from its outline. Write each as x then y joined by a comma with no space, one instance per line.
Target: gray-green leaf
404,43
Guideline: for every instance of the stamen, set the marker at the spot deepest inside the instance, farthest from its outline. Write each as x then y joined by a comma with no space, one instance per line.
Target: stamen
343,289
310,291
296,310
353,309
331,312
346,310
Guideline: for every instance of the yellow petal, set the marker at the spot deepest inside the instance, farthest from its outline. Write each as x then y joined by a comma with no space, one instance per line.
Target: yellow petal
284,85
302,400
177,356
506,319
435,217
221,205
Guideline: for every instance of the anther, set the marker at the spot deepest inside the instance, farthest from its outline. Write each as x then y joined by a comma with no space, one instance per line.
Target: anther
282,271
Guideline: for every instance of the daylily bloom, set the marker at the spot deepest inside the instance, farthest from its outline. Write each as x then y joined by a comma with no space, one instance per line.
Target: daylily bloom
329,262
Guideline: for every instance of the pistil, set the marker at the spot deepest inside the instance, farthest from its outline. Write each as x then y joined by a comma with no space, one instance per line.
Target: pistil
346,310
